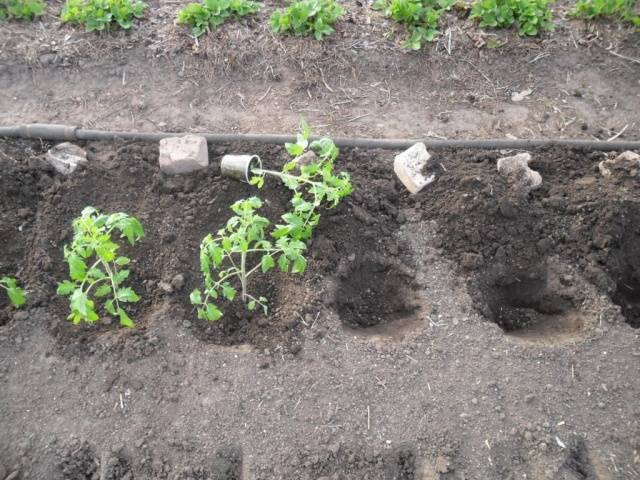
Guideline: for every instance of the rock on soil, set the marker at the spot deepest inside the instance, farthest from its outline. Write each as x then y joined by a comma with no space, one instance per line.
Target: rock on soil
627,161
185,154
409,165
517,172
65,157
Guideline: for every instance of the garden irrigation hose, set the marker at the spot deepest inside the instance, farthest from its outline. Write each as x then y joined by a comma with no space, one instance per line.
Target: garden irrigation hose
69,133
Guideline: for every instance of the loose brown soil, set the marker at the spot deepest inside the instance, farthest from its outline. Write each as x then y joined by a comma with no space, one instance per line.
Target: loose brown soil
380,362
462,333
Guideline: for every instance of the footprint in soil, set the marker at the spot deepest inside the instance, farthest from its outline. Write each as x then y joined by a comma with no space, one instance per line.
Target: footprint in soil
374,291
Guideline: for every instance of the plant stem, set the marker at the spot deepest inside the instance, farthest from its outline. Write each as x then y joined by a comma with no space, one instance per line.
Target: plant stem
243,275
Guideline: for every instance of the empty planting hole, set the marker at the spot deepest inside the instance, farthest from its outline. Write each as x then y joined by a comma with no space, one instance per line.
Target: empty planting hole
373,292
625,265
526,303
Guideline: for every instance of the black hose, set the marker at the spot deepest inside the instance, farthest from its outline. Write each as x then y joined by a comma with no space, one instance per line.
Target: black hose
69,133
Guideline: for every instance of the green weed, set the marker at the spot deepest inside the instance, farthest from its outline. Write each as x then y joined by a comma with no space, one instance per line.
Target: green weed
209,14
102,14
306,17
531,16
421,17
21,9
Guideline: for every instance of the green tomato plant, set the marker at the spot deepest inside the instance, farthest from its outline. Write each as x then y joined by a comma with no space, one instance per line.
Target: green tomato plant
17,296
95,266
531,16
245,245
209,14
21,9
312,180
625,10
239,250
102,14
306,17
421,17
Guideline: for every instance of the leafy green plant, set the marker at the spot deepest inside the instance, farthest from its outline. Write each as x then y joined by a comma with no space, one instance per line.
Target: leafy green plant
21,9
243,239
314,184
243,247
94,263
209,14
102,14
305,17
421,17
625,10
531,16
17,295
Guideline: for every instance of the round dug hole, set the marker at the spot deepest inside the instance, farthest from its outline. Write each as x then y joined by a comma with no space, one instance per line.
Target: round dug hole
624,265
374,292
530,304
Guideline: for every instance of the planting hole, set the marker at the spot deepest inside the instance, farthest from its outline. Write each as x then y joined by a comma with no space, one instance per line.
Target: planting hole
625,266
530,304
374,292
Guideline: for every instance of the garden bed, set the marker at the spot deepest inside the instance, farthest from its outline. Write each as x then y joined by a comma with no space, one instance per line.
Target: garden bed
462,332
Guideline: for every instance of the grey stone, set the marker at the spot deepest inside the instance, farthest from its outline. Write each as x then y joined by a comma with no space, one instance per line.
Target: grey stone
626,160
65,157
516,171
184,154
408,167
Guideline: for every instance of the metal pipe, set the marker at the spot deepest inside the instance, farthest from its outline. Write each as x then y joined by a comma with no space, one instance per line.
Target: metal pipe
68,132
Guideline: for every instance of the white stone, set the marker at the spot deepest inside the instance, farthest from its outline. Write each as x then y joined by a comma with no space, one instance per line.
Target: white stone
517,172
183,154
627,160
408,167
65,157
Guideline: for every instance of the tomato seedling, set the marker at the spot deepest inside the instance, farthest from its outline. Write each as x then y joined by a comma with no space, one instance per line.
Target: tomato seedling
209,14
92,241
315,185
237,252
625,10
17,295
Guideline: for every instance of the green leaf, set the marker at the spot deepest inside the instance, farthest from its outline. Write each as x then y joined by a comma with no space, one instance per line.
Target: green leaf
196,297
103,290
77,267
109,306
65,288
251,305
283,263
127,295
228,291
122,261
267,263
125,321
294,149
212,313
120,277
17,296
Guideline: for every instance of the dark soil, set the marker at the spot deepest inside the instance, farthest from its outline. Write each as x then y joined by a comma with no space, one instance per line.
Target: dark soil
372,292
510,244
295,394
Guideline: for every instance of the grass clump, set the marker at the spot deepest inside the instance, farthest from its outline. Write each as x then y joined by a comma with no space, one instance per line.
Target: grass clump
306,17
531,16
102,14
209,14
21,9
421,17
